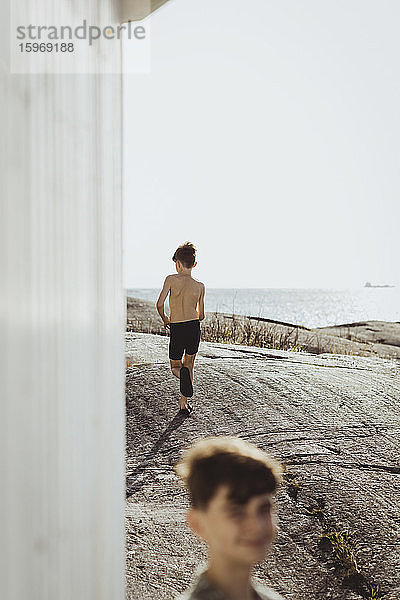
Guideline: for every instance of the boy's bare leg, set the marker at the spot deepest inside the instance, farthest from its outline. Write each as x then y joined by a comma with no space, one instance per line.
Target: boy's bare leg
176,366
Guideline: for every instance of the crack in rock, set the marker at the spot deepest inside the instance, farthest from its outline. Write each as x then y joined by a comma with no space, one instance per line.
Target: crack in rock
362,466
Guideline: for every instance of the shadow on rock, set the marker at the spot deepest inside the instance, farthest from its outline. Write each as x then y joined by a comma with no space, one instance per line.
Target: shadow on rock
133,480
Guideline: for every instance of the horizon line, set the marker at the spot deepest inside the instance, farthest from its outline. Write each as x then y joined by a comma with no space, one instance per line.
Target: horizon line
338,287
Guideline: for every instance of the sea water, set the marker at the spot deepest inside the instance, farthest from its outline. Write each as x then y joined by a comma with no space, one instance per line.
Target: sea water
309,307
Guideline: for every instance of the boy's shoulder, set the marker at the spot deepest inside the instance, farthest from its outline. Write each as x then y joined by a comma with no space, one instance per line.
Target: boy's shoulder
203,589
176,277
203,287
199,282
263,593
172,278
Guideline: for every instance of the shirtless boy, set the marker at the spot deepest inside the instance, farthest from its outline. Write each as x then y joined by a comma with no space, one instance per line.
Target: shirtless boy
231,485
186,302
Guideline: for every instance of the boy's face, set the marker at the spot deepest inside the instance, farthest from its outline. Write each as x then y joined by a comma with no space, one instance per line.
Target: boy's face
239,533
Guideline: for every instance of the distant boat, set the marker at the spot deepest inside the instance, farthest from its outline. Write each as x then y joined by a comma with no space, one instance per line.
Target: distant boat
370,285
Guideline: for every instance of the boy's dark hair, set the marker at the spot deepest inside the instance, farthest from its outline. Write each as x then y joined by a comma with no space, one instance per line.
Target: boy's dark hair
186,254
215,461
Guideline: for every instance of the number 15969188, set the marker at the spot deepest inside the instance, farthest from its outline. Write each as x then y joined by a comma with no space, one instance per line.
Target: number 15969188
46,47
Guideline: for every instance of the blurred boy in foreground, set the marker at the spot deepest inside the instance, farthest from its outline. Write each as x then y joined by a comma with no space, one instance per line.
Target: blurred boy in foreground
231,485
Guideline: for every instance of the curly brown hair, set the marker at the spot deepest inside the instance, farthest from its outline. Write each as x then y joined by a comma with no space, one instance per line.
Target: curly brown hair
186,254
215,461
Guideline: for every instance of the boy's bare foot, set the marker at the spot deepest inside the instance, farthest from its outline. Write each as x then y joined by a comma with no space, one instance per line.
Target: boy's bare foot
185,405
183,402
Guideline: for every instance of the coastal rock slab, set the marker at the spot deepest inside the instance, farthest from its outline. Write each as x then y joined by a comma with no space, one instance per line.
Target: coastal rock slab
332,420
382,335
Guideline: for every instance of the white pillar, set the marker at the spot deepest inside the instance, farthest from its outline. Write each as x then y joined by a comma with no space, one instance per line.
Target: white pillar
62,318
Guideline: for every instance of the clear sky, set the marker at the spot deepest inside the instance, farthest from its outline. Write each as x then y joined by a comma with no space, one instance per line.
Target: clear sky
270,139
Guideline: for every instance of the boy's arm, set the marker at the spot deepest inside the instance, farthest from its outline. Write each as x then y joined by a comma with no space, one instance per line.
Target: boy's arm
201,303
161,299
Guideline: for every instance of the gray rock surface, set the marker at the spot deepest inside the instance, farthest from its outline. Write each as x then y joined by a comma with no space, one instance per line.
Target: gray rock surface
382,335
332,420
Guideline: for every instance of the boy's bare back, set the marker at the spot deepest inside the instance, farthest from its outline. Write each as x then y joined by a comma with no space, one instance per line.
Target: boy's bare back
186,302
185,295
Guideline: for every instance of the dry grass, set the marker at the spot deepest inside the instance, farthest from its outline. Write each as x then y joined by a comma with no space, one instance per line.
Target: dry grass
344,549
345,552
375,594
251,331
149,325
248,332
254,332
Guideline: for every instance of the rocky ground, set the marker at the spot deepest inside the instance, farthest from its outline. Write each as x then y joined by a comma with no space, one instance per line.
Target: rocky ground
384,337
333,420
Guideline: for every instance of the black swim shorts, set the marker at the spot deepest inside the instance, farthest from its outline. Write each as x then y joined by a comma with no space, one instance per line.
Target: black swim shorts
184,337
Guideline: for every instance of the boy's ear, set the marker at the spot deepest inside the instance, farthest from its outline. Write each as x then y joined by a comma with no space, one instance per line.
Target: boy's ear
193,519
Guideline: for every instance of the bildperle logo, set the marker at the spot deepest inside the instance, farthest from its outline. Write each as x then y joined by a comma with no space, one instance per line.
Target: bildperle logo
80,32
